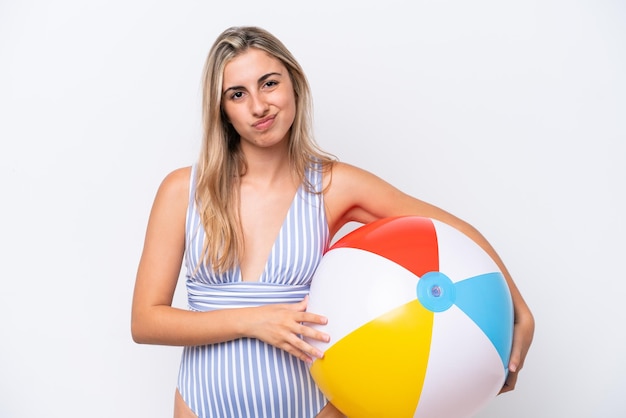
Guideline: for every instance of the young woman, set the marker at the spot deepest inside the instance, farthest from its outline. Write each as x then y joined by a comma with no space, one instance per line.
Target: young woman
250,221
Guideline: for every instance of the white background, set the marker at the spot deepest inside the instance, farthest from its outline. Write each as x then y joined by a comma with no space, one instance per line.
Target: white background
509,114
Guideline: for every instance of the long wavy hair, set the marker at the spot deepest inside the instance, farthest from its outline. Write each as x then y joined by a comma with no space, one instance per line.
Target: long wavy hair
221,162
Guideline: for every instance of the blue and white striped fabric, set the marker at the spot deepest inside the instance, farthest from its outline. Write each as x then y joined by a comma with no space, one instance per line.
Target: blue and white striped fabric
246,377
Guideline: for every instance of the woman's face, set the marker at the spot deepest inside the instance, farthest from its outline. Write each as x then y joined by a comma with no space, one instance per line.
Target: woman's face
258,98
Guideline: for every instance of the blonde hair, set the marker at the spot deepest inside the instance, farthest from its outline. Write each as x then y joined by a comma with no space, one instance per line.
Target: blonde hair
222,163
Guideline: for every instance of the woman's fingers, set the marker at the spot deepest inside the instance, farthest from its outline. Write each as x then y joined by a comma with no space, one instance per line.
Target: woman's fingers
286,326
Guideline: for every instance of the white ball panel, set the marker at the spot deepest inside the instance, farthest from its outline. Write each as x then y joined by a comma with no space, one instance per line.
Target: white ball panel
353,287
459,256
464,363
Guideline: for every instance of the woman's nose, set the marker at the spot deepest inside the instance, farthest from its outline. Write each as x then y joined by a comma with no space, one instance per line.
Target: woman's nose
259,105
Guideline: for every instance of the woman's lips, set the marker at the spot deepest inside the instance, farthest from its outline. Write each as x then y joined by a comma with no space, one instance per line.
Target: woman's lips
264,123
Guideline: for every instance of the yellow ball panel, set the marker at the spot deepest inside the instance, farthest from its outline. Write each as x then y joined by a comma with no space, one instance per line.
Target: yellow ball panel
378,370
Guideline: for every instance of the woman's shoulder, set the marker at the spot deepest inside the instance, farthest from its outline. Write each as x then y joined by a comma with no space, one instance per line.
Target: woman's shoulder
344,182
181,174
176,183
342,173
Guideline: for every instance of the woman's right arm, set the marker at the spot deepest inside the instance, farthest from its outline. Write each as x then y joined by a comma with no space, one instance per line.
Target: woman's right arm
155,321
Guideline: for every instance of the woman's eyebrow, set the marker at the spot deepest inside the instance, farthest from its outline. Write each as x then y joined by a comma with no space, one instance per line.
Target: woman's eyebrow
268,75
259,81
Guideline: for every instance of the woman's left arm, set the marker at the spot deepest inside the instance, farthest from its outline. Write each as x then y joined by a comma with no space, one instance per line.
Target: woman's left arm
356,195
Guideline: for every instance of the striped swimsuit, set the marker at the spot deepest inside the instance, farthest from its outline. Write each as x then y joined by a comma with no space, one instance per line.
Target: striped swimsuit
247,377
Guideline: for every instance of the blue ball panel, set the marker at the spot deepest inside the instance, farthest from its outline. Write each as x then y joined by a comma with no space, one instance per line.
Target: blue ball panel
487,301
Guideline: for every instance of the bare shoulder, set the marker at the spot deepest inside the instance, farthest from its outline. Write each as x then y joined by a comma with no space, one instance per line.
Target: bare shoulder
349,180
178,178
355,194
343,169
176,182
352,194
173,192
342,175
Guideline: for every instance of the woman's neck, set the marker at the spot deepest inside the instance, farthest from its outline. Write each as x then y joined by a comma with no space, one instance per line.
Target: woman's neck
268,167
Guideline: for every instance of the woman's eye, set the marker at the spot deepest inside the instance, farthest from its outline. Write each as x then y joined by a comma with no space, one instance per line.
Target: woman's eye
271,83
237,95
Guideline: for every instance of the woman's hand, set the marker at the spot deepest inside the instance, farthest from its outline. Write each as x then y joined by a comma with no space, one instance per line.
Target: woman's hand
523,332
329,411
283,326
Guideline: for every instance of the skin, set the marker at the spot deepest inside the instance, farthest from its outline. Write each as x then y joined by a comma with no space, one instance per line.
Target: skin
258,100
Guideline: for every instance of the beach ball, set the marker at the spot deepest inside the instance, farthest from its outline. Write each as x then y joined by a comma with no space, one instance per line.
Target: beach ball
420,320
